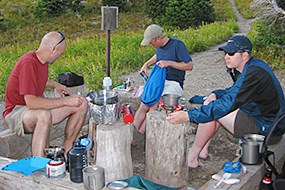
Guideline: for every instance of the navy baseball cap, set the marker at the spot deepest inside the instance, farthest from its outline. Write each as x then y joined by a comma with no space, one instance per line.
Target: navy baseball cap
237,43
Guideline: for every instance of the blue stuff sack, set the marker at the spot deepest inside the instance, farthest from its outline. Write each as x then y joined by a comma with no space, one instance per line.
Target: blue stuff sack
154,86
232,167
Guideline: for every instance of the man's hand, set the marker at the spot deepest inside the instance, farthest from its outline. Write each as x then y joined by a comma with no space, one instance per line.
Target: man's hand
75,100
178,117
61,89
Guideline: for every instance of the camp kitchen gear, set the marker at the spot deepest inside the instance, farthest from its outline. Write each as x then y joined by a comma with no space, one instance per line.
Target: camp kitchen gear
255,138
55,153
170,99
230,181
250,153
128,114
117,185
144,76
55,169
107,83
105,107
77,160
93,177
251,148
225,176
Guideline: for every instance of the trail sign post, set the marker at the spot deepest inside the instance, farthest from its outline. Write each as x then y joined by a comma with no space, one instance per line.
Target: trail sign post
109,22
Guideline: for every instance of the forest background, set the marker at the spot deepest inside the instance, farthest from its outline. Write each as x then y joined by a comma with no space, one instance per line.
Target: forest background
200,24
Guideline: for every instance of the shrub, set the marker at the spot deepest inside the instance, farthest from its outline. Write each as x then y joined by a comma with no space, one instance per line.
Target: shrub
155,9
181,13
121,4
56,7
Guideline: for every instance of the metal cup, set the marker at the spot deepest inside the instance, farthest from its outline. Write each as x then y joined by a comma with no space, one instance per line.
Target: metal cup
93,177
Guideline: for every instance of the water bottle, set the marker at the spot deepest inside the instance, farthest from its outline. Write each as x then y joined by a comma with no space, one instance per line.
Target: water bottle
266,182
77,160
127,114
107,83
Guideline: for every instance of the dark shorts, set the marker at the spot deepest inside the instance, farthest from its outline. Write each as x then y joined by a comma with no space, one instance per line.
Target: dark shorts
244,124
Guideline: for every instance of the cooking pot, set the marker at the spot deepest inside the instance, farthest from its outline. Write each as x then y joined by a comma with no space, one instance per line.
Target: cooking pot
251,148
254,138
102,97
170,99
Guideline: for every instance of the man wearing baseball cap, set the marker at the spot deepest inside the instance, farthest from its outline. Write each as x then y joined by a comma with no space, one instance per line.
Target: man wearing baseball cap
173,57
249,106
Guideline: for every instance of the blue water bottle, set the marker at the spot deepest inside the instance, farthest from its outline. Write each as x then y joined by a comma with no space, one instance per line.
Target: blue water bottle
77,160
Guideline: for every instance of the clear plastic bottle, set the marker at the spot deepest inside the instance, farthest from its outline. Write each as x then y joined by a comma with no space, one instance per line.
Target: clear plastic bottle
266,182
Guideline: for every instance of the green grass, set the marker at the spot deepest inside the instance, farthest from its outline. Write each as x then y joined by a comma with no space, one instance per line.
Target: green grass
244,8
85,54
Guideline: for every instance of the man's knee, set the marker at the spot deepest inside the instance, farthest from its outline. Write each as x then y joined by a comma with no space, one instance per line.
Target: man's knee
44,116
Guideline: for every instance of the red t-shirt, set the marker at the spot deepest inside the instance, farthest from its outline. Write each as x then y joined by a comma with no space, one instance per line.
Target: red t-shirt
29,76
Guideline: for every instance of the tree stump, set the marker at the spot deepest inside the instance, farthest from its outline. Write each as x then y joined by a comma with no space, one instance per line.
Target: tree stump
113,150
165,151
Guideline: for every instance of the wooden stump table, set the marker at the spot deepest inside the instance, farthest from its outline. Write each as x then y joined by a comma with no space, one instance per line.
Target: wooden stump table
113,150
165,151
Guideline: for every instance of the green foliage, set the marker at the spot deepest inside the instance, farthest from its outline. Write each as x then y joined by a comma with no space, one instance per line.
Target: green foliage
56,7
188,13
268,44
121,4
244,8
155,9
180,13
224,10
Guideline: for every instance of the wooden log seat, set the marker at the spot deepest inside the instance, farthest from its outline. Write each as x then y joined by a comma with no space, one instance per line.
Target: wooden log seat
166,147
113,150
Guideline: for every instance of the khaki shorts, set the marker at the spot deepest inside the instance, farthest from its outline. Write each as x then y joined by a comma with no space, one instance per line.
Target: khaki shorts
14,120
244,124
172,87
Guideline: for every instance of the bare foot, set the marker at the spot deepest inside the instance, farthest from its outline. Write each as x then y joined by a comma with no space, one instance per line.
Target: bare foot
203,154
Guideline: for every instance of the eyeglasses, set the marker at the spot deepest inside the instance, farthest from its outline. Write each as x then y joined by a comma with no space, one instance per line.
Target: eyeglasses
62,38
232,54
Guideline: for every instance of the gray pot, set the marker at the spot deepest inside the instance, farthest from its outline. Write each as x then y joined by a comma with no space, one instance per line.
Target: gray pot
250,153
170,99
102,97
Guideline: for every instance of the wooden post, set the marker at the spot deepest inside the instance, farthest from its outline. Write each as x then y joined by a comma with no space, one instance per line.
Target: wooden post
165,151
113,150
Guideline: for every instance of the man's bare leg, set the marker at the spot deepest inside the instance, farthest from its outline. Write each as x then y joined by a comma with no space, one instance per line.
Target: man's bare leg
204,134
140,116
38,122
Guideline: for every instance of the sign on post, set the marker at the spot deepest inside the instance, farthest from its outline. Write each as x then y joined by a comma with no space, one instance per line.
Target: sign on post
109,22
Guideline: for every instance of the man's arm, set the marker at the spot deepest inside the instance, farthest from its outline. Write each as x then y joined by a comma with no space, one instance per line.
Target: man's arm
61,89
177,65
148,63
35,102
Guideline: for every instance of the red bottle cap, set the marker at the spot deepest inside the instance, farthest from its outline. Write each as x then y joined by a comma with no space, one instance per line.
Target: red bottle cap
128,118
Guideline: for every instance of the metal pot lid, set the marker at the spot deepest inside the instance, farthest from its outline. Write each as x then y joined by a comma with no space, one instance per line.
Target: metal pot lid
117,185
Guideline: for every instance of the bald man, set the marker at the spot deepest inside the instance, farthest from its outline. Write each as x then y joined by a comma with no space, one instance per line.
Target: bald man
27,111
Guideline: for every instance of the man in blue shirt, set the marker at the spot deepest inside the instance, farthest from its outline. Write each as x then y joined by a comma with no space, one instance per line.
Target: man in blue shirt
249,106
172,55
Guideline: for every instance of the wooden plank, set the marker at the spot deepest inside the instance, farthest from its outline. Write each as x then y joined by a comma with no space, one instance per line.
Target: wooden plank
250,180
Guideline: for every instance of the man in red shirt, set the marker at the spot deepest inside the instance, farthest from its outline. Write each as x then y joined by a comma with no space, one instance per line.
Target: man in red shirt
28,111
